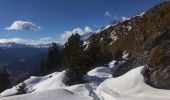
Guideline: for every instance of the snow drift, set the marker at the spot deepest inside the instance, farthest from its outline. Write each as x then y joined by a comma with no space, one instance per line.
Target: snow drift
99,74
58,94
130,86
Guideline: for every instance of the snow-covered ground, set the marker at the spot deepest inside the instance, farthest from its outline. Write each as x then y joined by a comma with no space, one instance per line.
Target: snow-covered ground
57,94
98,75
130,86
55,84
38,84
101,86
50,87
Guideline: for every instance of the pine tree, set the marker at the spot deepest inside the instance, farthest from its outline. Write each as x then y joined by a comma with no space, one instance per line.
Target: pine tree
44,68
74,59
52,61
96,57
53,55
4,80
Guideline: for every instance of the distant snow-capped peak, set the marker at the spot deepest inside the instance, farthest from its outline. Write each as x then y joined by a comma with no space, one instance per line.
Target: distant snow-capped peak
18,42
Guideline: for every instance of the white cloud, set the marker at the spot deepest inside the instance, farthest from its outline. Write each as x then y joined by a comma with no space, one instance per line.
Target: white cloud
88,29
66,34
45,38
108,14
23,25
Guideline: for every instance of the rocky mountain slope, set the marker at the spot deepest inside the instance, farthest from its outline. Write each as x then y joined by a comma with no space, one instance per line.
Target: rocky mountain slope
146,37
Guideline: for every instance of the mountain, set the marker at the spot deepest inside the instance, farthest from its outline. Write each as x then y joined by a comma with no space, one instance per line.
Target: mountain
22,43
20,61
19,48
17,52
20,57
139,37
21,69
133,64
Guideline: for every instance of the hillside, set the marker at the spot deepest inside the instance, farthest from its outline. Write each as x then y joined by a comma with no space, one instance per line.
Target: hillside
139,36
101,86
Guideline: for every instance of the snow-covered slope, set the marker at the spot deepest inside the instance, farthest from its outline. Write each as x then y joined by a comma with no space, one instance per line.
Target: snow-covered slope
101,86
99,74
51,87
55,84
58,94
36,84
130,86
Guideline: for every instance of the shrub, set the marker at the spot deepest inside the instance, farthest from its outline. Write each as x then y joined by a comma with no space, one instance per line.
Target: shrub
22,89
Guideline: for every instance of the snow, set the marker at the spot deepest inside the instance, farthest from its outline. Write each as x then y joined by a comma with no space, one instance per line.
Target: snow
112,64
113,37
85,36
101,86
58,94
115,66
141,15
129,28
130,86
79,89
35,84
86,44
9,92
51,87
101,39
106,27
40,43
125,55
53,82
56,82
124,19
98,74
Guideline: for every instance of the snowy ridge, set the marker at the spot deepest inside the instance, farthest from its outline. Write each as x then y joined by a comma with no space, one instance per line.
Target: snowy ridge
86,36
18,42
56,82
130,86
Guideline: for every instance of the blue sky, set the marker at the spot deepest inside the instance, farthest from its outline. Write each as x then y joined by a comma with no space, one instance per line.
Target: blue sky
56,17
